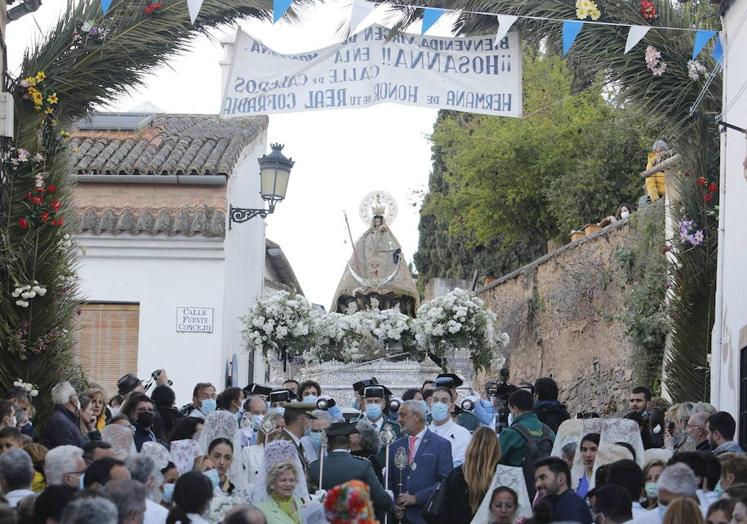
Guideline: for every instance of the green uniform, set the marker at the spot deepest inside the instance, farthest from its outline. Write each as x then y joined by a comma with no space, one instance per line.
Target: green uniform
513,444
340,467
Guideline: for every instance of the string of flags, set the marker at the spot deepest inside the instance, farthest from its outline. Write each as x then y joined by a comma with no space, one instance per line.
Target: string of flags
364,13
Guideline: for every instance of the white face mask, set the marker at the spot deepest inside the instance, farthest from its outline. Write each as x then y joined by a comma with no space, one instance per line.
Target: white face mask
624,214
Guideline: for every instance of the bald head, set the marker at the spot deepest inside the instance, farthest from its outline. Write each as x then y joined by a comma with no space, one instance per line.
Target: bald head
696,427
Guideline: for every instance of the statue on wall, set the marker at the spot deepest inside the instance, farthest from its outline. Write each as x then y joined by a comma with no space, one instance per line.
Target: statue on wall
377,275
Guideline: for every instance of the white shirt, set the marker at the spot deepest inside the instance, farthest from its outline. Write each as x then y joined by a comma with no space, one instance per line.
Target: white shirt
16,496
196,413
705,499
649,517
154,513
194,518
638,510
458,436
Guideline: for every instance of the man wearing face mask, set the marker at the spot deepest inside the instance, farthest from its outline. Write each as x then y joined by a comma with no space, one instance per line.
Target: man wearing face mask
312,440
442,406
374,402
513,443
203,400
451,382
358,388
141,412
63,426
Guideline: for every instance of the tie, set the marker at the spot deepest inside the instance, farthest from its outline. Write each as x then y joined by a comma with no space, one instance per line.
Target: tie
411,455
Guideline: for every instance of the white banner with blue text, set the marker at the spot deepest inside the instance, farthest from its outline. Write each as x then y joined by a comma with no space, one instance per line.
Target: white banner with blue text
473,74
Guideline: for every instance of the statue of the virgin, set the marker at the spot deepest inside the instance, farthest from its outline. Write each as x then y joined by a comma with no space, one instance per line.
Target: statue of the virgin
377,275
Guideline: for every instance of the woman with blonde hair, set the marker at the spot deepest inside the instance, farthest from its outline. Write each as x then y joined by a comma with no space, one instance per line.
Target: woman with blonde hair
98,405
467,484
281,507
683,511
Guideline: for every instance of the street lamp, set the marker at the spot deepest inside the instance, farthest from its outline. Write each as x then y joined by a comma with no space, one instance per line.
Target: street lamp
274,172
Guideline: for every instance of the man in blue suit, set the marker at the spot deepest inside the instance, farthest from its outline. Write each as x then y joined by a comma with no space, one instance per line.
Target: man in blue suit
428,462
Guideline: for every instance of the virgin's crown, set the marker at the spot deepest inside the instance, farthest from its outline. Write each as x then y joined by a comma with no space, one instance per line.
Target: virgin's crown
378,210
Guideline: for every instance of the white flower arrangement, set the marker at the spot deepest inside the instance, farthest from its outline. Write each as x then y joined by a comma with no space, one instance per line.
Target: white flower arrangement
221,504
283,322
363,335
26,386
458,320
24,293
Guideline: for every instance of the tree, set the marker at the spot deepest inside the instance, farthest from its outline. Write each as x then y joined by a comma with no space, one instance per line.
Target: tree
86,60
504,186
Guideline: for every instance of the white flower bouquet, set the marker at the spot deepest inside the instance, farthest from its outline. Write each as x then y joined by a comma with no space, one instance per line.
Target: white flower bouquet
284,322
458,320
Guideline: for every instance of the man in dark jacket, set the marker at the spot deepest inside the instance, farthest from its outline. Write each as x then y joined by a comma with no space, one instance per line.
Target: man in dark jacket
340,466
552,480
547,407
63,426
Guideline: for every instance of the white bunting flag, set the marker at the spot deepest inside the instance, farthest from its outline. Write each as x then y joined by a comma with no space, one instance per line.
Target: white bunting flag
635,35
194,7
361,12
504,25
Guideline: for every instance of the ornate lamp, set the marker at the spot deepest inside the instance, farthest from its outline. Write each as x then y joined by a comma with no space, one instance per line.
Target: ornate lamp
274,172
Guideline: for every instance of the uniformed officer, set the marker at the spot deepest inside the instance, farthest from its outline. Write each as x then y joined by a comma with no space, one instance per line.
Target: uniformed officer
340,466
443,425
375,399
358,388
451,382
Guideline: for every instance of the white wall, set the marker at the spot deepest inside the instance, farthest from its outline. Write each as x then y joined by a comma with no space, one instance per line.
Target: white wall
245,256
161,274
730,328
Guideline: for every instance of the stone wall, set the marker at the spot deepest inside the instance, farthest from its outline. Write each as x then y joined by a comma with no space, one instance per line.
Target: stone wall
563,315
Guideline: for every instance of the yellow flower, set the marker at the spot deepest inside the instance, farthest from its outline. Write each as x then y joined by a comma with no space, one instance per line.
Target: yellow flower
40,76
33,91
587,9
49,111
31,81
52,99
37,98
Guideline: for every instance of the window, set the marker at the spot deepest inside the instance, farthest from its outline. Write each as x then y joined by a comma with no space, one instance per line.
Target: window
107,342
742,398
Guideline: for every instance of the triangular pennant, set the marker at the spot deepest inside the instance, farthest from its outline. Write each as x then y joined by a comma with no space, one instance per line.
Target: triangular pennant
504,25
360,12
571,29
430,17
279,7
635,35
718,50
105,5
702,37
194,7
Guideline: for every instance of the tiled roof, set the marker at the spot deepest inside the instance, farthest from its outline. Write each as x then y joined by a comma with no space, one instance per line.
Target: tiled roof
208,222
167,144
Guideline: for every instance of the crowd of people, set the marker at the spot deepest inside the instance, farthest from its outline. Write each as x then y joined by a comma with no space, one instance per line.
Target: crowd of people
290,454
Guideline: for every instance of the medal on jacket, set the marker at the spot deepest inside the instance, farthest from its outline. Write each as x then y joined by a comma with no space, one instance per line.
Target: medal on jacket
413,466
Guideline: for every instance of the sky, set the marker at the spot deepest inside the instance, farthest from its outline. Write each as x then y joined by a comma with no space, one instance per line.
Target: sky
340,155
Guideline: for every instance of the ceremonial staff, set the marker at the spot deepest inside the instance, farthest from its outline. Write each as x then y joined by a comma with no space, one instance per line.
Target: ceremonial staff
400,462
322,452
387,437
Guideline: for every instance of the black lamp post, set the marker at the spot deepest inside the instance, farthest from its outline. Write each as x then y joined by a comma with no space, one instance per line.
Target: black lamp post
274,172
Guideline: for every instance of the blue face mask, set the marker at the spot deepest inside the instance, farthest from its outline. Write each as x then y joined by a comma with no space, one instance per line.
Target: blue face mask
311,399
212,474
257,421
280,410
718,489
208,406
168,493
440,411
316,439
373,412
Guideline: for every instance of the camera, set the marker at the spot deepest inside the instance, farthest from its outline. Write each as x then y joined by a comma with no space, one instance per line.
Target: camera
500,392
467,405
394,405
156,374
324,404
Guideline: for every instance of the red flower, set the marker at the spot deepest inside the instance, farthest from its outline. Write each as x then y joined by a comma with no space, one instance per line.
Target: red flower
37,200
701,181
708,197
648,10
51,188
53,222
55,204
44,217
23,223
153,7
712,187
60,221
39,190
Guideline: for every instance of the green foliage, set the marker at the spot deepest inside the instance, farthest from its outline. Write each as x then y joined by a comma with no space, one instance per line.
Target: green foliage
36,343
503,186
643,270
